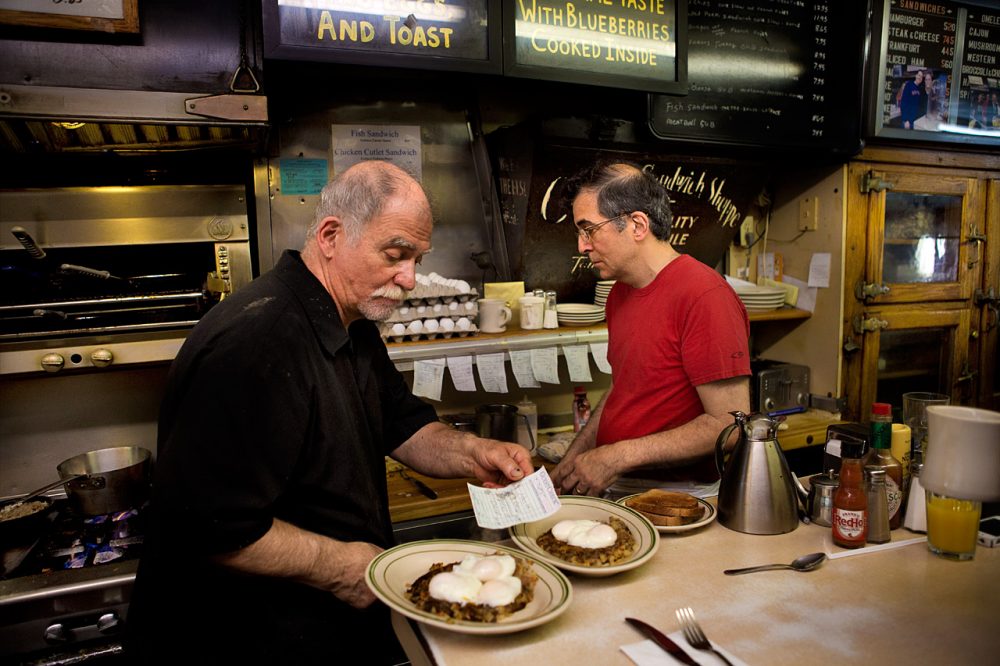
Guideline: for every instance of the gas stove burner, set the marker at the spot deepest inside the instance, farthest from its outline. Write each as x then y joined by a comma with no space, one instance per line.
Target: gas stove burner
73,541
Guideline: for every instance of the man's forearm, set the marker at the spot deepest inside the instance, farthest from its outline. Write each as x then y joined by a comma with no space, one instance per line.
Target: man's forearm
439,451
287,551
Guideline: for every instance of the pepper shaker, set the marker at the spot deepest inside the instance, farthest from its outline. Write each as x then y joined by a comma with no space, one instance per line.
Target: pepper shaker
878,505
551,317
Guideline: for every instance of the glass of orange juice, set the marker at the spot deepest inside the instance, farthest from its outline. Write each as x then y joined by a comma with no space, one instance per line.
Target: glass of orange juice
952,526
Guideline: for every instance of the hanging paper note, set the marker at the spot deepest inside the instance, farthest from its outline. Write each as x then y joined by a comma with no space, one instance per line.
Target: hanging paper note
578,362
520,363
545,365
599,350
460,368
492,374
427,378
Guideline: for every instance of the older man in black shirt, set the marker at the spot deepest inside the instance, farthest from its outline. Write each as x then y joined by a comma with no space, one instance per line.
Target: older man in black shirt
270,491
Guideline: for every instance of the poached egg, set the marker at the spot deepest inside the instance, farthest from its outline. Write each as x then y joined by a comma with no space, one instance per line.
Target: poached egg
585,533
488,581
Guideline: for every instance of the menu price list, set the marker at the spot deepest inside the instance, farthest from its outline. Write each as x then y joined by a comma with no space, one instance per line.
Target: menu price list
979,92
918,65
781,71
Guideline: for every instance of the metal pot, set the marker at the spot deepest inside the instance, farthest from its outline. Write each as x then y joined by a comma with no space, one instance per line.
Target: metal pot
116,479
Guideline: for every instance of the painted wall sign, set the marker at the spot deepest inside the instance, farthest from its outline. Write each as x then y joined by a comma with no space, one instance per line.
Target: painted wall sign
433,34
636,44
709,199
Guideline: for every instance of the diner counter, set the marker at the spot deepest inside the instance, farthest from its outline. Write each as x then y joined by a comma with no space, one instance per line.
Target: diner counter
902,605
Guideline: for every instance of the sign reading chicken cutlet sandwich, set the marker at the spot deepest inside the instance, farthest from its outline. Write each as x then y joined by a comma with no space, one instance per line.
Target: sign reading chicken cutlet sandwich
460,35
635,44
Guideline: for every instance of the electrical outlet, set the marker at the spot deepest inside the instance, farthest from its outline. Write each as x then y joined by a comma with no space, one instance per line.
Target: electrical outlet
747,235
808,213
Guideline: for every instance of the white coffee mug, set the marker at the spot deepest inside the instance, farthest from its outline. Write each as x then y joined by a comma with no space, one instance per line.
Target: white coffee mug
493,315
532,310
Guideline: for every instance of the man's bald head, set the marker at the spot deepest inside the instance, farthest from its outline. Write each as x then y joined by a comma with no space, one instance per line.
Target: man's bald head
359,194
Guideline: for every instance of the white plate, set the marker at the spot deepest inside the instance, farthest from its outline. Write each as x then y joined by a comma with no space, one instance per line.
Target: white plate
706,518
574,507
578,309
758,291
393,570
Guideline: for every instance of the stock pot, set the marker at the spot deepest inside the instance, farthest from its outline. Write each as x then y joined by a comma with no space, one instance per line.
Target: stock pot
114,479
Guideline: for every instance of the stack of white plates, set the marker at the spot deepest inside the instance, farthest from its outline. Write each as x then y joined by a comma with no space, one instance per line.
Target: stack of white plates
579,314
761,299
601,291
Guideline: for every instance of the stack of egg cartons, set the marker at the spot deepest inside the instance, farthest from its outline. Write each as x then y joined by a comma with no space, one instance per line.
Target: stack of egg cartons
436,308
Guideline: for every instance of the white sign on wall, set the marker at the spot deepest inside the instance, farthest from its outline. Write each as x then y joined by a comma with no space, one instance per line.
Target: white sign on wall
398,144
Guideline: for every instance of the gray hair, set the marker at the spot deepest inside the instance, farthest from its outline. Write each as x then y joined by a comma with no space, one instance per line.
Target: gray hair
358,195
623,188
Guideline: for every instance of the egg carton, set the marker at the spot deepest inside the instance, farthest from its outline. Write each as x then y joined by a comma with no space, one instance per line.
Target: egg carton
389,336
408,313
436,286
413,300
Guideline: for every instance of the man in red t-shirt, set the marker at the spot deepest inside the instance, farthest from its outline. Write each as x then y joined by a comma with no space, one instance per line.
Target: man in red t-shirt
677,340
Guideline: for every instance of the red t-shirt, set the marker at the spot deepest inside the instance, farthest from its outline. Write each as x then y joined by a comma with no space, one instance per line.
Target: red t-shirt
686,328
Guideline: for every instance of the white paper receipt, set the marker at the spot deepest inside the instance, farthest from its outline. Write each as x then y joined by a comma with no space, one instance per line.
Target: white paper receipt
532,498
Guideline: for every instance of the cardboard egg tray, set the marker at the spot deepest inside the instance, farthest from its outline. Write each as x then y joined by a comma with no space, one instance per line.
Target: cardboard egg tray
413,312
385,329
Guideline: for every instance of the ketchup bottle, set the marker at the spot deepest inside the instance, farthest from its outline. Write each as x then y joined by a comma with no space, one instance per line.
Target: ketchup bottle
850,507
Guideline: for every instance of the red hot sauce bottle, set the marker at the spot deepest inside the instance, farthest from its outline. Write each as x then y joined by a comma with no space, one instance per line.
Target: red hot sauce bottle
850,507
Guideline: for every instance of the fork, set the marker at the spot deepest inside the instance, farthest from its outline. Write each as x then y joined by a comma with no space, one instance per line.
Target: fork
693,633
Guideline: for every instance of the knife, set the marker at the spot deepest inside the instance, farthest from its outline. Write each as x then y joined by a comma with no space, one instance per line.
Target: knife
661,639
421,486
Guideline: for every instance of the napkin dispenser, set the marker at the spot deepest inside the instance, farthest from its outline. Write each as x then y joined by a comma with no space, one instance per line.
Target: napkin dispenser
778,388
844,440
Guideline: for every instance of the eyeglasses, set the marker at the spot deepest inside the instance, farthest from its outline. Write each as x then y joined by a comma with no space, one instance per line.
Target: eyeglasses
587,232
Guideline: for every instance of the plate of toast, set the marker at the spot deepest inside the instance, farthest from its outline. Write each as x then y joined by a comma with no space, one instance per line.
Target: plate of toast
671,511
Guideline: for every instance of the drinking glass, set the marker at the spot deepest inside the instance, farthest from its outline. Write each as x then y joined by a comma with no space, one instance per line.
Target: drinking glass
952,526
915,406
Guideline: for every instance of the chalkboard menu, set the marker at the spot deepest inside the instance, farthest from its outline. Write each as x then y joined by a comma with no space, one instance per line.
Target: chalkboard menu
784,73
459,35
979,89
936,74
634,44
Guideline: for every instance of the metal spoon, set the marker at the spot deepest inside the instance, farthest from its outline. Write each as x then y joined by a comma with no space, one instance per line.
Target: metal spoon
802,563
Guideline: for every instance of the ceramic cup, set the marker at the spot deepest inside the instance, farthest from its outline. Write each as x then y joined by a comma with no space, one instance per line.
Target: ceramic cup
532,311
493,315
963,453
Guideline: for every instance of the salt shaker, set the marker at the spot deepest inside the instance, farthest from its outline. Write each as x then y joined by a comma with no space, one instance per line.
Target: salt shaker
878,505
551,318
915,518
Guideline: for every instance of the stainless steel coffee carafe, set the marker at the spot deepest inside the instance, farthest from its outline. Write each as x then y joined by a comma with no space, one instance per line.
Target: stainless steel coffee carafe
758,493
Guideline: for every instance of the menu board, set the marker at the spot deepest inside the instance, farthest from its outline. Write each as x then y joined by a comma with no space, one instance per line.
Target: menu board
635,44
979,91
920,50
773,72
938,72
461,35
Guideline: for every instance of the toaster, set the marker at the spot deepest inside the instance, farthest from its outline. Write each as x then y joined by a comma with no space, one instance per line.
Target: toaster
779,388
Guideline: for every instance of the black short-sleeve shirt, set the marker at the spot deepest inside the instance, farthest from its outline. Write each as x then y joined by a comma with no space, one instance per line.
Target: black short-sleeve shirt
273,410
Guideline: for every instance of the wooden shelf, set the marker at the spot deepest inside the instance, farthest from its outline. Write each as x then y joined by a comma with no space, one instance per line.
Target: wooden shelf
783,314
404,353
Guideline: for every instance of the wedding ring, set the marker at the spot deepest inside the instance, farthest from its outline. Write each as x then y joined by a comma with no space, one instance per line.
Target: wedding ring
581,491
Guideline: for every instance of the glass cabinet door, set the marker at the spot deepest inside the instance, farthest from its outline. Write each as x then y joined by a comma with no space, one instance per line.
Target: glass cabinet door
921,250
916,350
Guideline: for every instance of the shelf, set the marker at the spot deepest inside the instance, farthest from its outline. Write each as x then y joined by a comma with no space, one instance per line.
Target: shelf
782,314
404,353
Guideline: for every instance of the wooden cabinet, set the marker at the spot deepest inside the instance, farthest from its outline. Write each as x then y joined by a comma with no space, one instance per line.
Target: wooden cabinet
921,262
